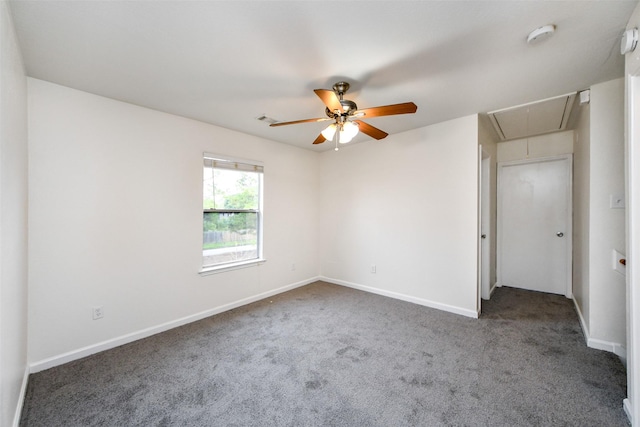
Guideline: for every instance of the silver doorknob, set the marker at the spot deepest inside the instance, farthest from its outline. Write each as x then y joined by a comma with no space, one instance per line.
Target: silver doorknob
559,234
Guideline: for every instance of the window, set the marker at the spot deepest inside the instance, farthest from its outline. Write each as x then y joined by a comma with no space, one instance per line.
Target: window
232,214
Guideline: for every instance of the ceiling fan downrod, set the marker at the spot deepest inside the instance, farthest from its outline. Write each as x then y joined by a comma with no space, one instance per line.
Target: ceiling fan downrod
341,88
348,107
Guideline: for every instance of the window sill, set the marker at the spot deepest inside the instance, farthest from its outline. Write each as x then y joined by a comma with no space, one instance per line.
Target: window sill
229,267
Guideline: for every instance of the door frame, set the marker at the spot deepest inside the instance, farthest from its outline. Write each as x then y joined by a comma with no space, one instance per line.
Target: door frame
479,232
485,226
568,162
632,147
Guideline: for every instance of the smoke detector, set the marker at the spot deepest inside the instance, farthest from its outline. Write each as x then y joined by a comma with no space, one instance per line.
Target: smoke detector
541,33
629,41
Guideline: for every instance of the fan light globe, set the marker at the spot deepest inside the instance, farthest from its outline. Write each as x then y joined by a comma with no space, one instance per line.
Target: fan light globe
329,132
348,132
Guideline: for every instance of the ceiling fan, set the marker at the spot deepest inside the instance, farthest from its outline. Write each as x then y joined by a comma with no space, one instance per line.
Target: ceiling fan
345,116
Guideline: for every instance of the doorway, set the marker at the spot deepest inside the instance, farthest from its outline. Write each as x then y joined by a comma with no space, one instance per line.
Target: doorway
534,235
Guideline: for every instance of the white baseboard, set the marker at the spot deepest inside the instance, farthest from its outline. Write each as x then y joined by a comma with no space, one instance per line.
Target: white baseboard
612,347
21,397
403,297
583,324
125,339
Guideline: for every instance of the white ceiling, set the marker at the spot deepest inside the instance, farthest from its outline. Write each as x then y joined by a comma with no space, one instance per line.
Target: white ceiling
228,62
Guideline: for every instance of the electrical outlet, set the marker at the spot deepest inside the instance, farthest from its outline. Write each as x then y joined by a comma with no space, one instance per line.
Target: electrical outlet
293,266
373,268
97,312
619,262
616,201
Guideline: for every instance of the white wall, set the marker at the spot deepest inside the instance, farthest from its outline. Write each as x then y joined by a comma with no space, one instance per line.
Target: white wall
409,205
599,291
13,222
115,220
607,226
581,201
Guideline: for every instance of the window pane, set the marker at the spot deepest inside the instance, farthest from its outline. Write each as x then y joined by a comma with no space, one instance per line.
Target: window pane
230,189
229,234
207,188
229,237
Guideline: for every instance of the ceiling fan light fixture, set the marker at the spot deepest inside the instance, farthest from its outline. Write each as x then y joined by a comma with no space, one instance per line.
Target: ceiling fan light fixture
329,132
348,132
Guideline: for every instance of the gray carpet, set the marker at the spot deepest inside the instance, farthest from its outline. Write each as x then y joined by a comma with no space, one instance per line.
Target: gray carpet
325,355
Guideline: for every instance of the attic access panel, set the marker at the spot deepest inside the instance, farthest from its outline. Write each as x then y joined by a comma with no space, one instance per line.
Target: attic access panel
536,118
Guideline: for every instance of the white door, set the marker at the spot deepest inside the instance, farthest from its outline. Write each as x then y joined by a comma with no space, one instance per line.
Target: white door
534,224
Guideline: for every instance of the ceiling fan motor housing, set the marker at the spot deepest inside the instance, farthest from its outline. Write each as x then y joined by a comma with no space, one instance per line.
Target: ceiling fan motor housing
348,106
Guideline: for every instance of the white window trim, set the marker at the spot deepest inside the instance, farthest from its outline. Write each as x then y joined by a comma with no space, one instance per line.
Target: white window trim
206,271
231,159
215,269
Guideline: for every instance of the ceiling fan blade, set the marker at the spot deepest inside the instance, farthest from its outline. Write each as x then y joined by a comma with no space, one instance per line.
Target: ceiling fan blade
372,131
387,110
295,122
320,139
330,99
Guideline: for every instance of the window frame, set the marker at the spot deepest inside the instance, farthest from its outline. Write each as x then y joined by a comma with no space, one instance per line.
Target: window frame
240,164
